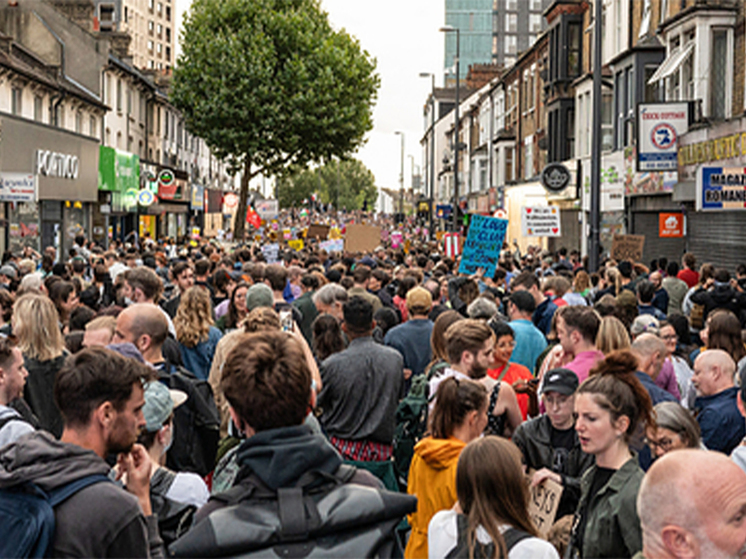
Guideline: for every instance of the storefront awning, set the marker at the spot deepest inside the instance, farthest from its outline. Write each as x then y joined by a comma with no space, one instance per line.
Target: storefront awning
672,63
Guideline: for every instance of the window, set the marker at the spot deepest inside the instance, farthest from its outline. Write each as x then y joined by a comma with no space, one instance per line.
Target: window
126,14
61,116
534,23
168,34
511,23
129,101
664,10
159,48
151,3
92,126
168,53
718,74
511,44
511,5
160,7
573,50
151,27
79,122
168,13
150,46
607,122
16,98
39,108
536,6
160,29
119,96
570,147
509,167
509,61
528,147
652,91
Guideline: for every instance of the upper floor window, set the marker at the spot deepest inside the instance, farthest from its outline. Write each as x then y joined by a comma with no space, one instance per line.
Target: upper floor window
16,100
39,108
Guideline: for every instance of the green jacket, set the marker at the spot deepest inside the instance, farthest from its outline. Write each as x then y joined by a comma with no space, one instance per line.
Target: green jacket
613,526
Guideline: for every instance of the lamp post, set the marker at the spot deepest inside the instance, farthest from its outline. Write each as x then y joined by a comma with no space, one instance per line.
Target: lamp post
401,177
595,241
451,29
431,196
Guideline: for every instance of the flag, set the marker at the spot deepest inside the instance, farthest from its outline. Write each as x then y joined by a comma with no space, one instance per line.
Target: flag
253,218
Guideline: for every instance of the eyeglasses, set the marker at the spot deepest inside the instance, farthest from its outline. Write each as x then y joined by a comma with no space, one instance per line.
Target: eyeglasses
669,337
665,444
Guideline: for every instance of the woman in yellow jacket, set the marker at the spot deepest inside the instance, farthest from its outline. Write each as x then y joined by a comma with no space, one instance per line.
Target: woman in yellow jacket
458,417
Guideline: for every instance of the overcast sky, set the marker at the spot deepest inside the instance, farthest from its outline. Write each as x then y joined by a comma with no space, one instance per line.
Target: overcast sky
403,36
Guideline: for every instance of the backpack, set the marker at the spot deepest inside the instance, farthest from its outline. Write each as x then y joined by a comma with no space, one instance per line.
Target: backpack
411,421
512,536
323,515
174,518
27,516
196,424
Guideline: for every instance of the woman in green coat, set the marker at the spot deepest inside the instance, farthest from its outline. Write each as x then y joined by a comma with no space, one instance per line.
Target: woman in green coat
610,406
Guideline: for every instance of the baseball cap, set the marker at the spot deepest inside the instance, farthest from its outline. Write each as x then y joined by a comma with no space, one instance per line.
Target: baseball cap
160,402
419,298
259,295
8,271
563,381
644,323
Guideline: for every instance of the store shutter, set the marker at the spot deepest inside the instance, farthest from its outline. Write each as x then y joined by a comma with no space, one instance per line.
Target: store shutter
646,223
571,229
718,238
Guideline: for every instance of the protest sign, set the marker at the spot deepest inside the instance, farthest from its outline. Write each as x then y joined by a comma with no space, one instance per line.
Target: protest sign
334,245
543,503
271,253
396,238
540,221
267,209
627,247
315,230
362,238
296,244
483,245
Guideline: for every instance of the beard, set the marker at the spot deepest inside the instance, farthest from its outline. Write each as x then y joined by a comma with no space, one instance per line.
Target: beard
477,371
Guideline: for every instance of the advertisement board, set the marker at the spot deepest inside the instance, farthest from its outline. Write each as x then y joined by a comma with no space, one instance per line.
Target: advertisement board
659,127
721,188
18,187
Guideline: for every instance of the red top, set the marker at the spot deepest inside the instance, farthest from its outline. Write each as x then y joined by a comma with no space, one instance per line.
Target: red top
690,277
515,371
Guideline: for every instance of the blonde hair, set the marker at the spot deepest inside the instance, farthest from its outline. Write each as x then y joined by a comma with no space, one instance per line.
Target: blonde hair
612,335
36,324
194,317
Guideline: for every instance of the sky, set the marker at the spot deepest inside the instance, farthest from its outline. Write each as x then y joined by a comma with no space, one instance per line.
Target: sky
403,36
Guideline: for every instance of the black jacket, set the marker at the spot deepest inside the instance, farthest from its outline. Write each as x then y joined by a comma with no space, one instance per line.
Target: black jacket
533,438
721,297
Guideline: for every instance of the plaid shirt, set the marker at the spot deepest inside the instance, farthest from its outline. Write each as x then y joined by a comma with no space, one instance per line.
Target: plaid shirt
362,451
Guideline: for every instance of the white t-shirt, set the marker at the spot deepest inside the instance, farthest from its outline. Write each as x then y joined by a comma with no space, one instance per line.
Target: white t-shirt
188,488
442,536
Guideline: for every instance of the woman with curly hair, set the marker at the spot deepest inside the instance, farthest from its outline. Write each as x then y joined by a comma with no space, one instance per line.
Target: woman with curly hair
195,332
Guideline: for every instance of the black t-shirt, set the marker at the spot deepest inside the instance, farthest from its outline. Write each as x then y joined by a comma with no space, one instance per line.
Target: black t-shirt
600,478
562,443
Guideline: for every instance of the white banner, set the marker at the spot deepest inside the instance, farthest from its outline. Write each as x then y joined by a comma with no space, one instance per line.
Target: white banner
267,209
18,187
540,221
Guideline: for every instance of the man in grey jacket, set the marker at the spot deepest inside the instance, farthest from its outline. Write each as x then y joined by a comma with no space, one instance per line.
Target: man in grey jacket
100,396
12,380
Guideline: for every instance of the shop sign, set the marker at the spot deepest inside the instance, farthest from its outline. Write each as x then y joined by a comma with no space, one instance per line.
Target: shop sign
145,197
671,225
443,211
540,221
728,147
59,165
660,125
166,177
721,188
18,187
117,170
230,200
612,183
198,197
555,177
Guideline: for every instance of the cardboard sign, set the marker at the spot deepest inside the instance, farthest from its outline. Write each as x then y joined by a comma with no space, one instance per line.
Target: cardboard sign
271,253
483,245
315,230
334,245
543,503
627,247
362,238
541,221
671,225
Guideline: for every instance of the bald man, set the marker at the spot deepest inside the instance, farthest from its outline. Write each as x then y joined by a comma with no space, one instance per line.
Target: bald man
651,353
716,405
692,503
145,326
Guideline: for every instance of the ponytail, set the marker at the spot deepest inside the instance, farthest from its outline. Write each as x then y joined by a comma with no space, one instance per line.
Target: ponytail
619,391
454,400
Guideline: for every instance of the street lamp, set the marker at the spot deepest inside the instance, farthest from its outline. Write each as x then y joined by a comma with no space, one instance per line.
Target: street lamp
432,152
401,177
451,29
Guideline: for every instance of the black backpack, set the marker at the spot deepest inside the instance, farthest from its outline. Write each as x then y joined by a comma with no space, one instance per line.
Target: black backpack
322,516
196,423
512,537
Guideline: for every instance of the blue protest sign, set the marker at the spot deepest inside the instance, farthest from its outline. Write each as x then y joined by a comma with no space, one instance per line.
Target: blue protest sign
483,245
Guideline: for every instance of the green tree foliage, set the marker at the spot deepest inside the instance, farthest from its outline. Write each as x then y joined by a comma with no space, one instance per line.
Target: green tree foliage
346,184
269,85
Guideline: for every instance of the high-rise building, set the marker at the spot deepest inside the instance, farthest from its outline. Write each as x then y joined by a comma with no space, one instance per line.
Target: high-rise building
151,26
491,31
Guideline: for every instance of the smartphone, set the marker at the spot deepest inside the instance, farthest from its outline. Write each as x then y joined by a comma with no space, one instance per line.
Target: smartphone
286,321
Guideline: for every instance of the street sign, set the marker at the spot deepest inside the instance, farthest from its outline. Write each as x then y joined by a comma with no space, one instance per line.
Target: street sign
671,225
145,197
555,177
659,126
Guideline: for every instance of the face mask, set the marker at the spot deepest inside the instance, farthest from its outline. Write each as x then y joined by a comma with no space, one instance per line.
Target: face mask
128,302
170,439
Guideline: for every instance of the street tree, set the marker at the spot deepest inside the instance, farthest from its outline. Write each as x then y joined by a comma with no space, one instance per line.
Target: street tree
347,184
270,85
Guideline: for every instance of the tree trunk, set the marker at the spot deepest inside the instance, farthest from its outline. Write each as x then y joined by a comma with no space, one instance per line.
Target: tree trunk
243,198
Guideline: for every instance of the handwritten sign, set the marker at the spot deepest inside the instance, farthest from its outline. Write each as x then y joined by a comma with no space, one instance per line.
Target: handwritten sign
271,253
315,230
627,247
540,221
483,245
396,238
335,245
543,504
362,238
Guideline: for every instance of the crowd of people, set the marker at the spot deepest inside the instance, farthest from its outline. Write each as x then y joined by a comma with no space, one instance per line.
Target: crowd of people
202,401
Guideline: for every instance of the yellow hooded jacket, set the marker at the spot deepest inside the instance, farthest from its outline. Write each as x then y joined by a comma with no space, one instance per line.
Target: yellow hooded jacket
432,479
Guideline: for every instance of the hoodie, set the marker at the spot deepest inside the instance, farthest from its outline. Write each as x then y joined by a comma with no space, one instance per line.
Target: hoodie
432,479
102,520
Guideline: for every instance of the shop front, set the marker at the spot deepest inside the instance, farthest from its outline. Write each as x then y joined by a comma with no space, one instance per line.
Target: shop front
711,166
213,212
118,185
197,207
50,183
174,197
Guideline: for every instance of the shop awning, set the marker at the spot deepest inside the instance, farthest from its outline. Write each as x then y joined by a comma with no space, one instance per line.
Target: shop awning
672,63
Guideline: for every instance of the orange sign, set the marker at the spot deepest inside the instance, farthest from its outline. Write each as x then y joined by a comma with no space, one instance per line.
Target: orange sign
671,225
